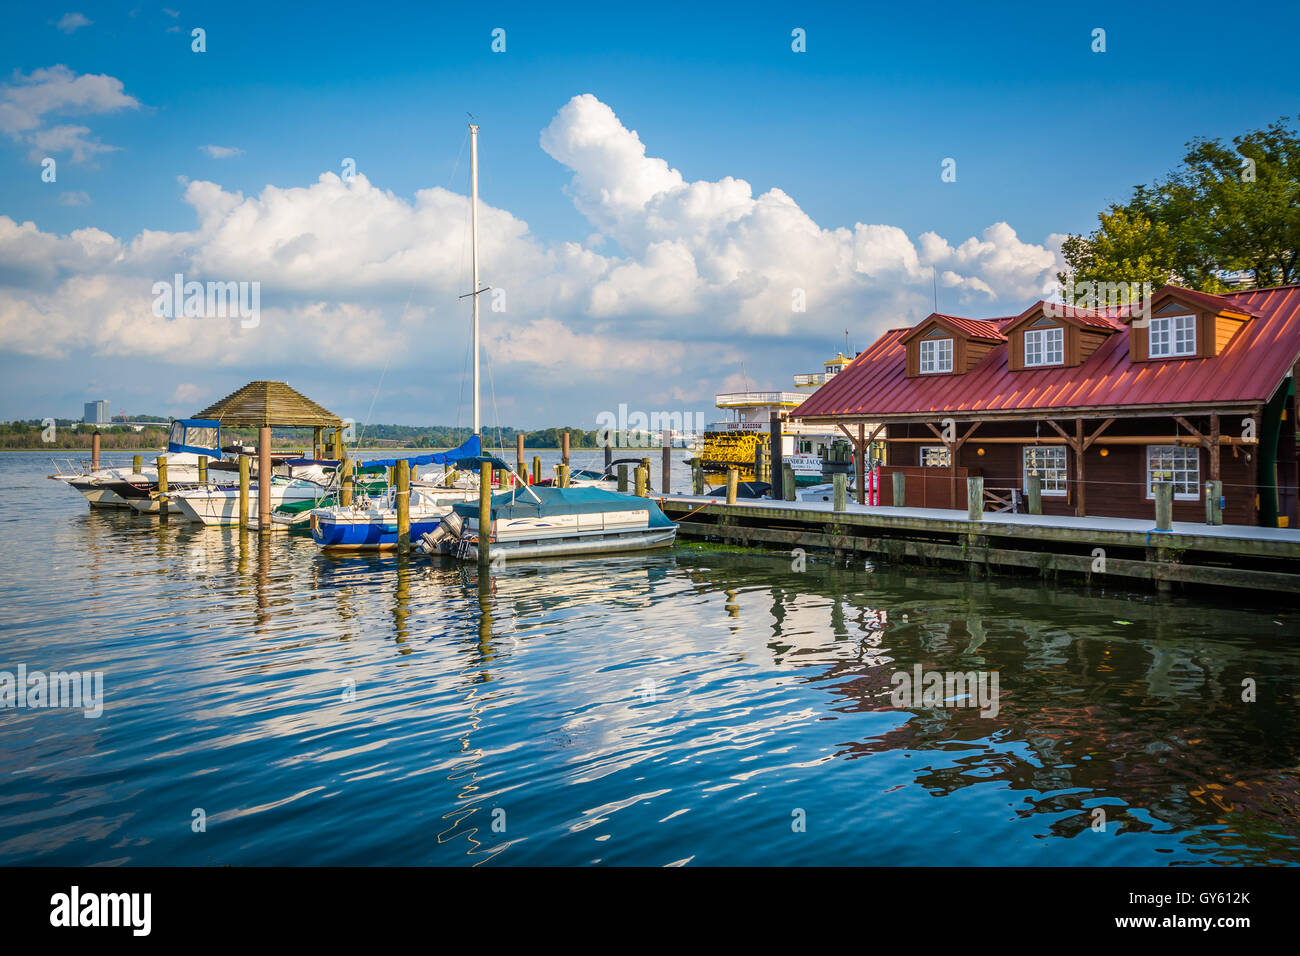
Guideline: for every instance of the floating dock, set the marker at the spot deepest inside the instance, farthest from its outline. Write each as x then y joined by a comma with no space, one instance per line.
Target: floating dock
1098,549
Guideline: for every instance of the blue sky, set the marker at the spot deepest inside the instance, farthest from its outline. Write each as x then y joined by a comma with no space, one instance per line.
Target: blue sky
1044,132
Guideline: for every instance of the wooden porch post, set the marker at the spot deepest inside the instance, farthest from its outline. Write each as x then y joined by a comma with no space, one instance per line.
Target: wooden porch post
1079,508
862,464
1214,447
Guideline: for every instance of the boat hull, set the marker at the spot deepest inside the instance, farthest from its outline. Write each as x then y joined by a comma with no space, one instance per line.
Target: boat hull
362,534
221,509
643,540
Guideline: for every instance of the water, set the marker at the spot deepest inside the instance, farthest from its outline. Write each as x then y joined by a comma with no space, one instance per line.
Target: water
698,706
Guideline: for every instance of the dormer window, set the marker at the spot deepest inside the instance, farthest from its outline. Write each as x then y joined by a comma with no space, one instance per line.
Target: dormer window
1170,336
1044,347
936,356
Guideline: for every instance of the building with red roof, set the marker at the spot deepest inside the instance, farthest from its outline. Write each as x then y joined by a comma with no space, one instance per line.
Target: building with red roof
1099,404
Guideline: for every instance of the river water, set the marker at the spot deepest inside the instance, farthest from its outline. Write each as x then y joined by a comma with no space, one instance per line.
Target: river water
266,704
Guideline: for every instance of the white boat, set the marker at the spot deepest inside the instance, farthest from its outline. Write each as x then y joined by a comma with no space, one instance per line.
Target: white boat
219,505
543,522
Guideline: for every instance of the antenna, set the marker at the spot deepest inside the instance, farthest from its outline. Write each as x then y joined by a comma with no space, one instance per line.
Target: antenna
848,352
934,272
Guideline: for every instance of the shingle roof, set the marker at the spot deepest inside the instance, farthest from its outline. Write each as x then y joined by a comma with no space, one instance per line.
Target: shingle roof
269,403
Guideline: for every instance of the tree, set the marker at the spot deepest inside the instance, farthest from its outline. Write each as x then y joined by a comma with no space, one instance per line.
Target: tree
1225,210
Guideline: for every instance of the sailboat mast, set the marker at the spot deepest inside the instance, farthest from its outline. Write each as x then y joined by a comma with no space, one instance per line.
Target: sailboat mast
473,178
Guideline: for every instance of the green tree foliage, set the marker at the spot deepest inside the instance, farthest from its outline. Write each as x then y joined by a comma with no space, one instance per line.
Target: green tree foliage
1225,210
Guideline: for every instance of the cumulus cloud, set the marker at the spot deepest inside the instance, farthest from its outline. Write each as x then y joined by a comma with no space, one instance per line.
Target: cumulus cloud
29,101
78,198
353,276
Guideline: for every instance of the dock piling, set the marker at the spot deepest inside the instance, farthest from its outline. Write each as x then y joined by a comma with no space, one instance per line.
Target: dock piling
562,475
403,507
1035,494
622,479
1164,495
666,482
1214,502
264,478
776,456
203,469
345,492
787,481
733,477
243,492
94,450
521,463
975,498
564,448
162,487
840,483
609,454
900,489
137,464
484,513
537,468
697,476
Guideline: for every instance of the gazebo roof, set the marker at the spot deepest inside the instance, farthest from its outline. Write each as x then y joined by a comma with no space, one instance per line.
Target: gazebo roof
259,404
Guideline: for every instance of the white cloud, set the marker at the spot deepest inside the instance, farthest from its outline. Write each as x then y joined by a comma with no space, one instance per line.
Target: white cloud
28,101
78,198
221,152
701,273
70,22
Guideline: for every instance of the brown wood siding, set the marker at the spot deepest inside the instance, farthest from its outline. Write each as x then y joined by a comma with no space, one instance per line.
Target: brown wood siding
1225,327
1089,342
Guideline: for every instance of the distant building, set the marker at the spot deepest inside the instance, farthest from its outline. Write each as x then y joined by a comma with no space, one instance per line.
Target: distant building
96,413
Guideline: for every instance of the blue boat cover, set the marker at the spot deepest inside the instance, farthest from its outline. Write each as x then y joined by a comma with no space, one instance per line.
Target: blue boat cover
471,449
563,501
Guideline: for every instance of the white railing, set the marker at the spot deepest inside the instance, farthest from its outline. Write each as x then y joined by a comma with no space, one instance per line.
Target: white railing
812,378
727,399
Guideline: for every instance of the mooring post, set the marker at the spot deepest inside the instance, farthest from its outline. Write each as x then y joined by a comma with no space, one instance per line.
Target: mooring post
622,479
338,444
264,478
1164,495
403,507
758,460
697,475
776,456
521,465
537,468
1214,502
900,489
137,463
787,481
203,469
645,463
94,451
975,498
642,480
609,454
666,480
243,492
733,478
563,475
1035,494
484,512
316,443
162,486
345,491
840,482
564,448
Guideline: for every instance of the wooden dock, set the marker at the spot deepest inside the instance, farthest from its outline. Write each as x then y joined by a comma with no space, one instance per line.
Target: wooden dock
1097,549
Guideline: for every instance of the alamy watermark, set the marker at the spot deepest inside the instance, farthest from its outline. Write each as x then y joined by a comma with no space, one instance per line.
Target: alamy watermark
1132,297
209,300
626,429
38,690
922,688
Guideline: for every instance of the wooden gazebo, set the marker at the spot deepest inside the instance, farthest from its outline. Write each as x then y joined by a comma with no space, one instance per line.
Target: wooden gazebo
262,405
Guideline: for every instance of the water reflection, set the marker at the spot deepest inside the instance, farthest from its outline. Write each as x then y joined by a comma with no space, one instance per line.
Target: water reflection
643,709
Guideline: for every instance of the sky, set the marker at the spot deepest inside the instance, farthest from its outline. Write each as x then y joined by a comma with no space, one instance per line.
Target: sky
674,201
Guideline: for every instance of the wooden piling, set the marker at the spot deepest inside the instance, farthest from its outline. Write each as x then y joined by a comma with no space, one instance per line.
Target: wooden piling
733,478
697,476
203,469
1035,489
521,463
338,444
564,448
345,488
645,463
665,480
642,480
162,486
243,492
840,485
264,478
1214,502
137,464
484,513
609,455
94,450
316,433
1164,495
788,486
403,496
622,479
900,489
758,460
975,498
776,454
562,475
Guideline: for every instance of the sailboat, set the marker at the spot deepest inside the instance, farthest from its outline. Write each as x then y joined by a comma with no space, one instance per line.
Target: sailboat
533,522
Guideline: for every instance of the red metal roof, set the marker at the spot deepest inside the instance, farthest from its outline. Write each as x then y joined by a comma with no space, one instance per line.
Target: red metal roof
1248,370
975,328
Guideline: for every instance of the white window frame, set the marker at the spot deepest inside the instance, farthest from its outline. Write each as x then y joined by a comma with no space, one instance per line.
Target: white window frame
1164,333
941,450
933,363
1046,345
1179,459
1054,487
